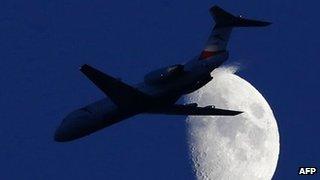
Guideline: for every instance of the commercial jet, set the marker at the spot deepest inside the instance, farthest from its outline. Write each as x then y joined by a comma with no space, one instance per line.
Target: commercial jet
160,89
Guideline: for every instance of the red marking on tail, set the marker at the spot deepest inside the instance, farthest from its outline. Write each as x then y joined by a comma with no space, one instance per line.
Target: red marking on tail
206,54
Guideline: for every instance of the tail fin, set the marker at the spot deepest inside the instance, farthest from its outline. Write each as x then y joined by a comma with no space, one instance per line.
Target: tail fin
220,34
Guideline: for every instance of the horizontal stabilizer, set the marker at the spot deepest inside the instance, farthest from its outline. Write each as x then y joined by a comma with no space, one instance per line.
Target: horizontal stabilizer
195,111
120,93
225,19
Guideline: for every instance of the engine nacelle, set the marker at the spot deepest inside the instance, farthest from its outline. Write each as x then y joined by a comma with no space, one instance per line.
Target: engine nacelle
164,74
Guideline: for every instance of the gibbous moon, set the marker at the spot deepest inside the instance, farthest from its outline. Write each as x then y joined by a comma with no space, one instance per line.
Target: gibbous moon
242,147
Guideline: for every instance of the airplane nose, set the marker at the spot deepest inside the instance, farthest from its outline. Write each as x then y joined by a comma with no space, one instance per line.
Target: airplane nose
71,126
59,136
62,133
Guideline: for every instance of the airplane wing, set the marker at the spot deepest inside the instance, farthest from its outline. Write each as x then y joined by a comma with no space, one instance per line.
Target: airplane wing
195,111
120,93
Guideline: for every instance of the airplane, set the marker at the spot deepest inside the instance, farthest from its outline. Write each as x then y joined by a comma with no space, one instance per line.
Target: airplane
160,89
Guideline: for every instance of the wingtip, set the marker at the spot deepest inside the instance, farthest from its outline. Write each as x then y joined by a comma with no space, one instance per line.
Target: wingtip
84,66
265,23
235,113
268,23
238,112
215,8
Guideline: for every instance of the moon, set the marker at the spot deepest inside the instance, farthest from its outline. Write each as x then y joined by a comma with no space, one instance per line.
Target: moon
241,147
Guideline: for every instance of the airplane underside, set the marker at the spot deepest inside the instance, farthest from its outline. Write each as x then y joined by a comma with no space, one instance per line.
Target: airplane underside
160,89
105,112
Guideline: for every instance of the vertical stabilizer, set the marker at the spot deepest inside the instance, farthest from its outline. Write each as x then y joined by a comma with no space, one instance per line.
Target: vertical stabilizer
220,34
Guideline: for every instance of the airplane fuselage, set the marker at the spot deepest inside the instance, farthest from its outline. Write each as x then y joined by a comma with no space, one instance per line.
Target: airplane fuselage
104,112
160,89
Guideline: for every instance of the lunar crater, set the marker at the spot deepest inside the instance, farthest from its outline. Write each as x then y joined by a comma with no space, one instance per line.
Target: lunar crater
257,110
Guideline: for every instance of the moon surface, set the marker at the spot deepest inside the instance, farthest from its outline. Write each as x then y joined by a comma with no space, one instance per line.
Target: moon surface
241,147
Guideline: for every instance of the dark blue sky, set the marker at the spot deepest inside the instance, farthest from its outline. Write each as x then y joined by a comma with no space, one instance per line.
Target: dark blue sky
42,44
